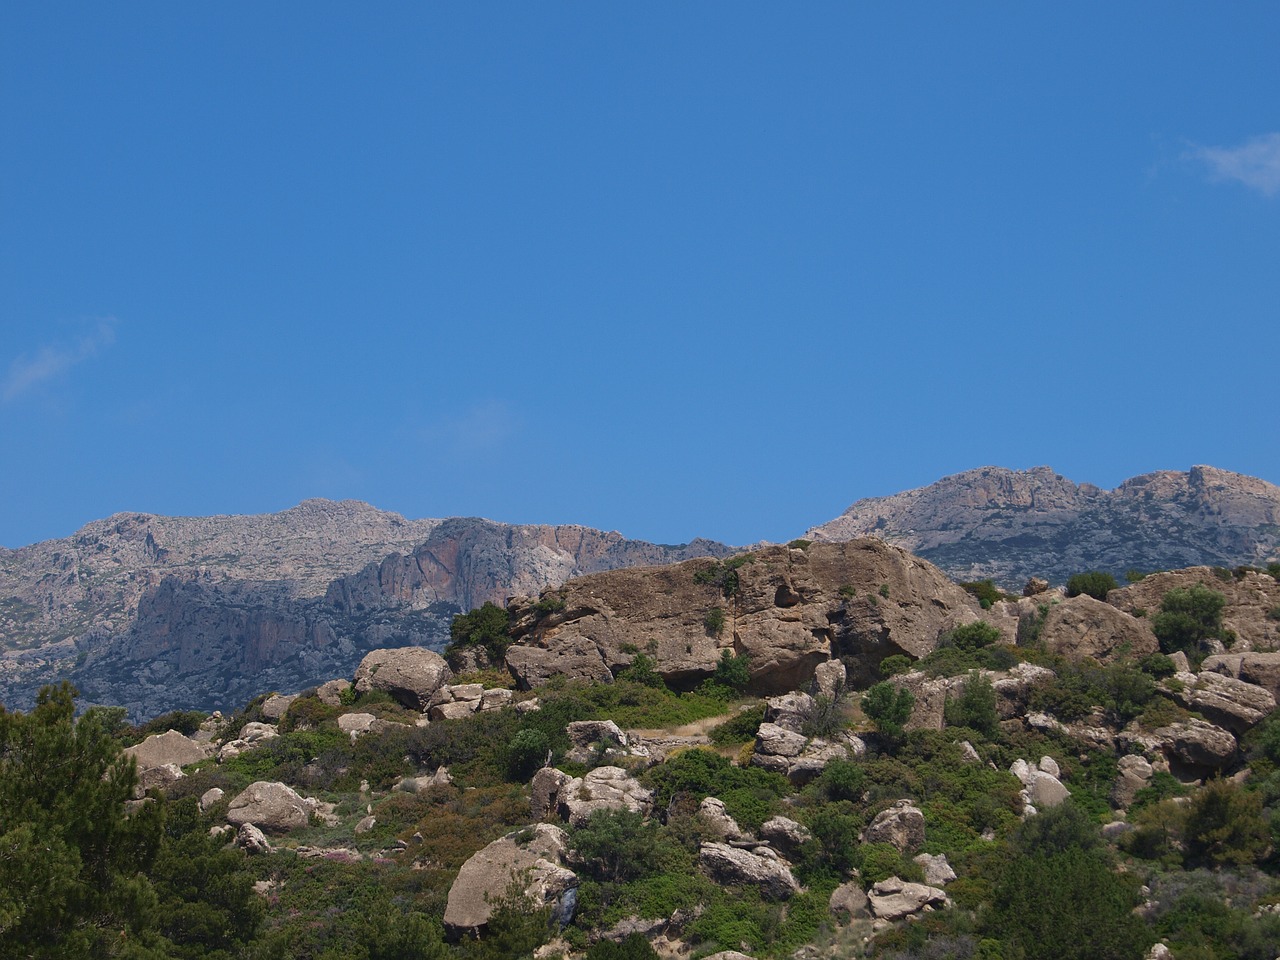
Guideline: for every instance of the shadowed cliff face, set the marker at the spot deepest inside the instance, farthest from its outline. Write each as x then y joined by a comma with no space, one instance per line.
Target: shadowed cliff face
160,612
1011,525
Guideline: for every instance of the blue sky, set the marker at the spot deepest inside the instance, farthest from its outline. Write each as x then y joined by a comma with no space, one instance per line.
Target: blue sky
678,270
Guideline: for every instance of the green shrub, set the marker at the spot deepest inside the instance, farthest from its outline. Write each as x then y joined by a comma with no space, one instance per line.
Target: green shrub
1226,825
740,729
975,708
1188,617
893,665
747,792
800,544
848,592
714,621
634,947
986,591
970,636
889,707
1133,575
528,751
1094,583
880,861
485,627
643,670
884,590
733,670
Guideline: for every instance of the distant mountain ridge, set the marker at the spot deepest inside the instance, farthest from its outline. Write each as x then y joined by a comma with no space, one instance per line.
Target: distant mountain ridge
1010,525
150,611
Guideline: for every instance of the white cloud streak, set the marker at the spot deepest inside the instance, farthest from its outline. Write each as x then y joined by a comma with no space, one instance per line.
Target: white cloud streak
28,371
1255,163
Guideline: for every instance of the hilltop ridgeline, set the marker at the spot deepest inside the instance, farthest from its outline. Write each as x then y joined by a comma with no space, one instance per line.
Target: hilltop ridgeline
1010,525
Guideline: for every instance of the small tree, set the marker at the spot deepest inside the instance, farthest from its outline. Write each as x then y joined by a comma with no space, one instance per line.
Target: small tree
1226,825
889,707
1188,617
485,627
975,708
971,636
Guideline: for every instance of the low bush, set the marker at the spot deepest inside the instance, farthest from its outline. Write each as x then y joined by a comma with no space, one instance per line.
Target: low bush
1094,583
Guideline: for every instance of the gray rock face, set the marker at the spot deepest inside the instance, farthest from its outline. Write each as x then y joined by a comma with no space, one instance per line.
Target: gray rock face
797,757
252,840
937,871
1196,744
330,692
604,788
270,806
849,902
356,725
1262,669
210,797
410,674
1011,525
713,813
441,778
275,706
894,898
544,788
785,835
1224,700
1249,600
577,658
169,747
901,825
1041,788
533,857
761,868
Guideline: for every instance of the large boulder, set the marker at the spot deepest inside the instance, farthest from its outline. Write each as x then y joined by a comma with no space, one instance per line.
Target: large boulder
270,806
277,705
761,868
532,859
1250,598
1223,700
895,898
1262,669
604,788
410,674
1080,627
577,658
170,747
901,825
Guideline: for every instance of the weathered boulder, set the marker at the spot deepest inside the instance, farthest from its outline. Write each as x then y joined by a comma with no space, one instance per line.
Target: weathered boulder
1197,744
785,835
365,825
440,778
356,725
410,674
790,710
597,737
255,731
894,898
544,789
795,756
604,788
761,868
169,747
1081,627
252,840
577,658
533,858
716,817
157,778
277,705
1041,788
270,806
829,679
1223,699
849,902
1135,773
496,698
1262,669
901,825
210,797
937,871
330,692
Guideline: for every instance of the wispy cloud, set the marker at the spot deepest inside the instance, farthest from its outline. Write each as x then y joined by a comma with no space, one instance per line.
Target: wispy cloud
28,371
1255,163
481,429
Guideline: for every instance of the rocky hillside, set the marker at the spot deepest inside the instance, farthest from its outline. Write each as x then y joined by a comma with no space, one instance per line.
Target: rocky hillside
1010,525
154,612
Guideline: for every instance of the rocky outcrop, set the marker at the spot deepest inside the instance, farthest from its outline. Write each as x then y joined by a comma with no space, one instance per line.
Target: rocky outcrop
411,675
1262,669
1246,617
799,758
170,747
604,788
270,806
894,899
760,867
532,858
1041,788
1079,627
1011,525
1223,700
787,609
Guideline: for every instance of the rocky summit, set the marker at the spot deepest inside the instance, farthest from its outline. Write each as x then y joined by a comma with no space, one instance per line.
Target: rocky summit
1010,525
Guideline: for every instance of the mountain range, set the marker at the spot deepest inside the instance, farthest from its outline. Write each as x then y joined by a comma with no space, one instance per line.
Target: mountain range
154,612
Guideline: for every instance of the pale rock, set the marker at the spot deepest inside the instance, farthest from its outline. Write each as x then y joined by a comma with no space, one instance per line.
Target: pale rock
1224,700
366,824
210,797
271,806
454,710
496,699
895,898
330,692
410,674
968,753
758,868
157,778
544,788
533,857
255,731
1262,669
789,711
276,705
785,834
1046,791
829,678
714,814
252,840
1081,626
440,778
849,902
577,658
937,871
1196,744
901,825
169,747
604,788
1050,766
356,725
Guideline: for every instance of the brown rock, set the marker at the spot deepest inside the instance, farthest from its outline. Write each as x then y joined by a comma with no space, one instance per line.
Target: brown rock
1081,627
270,806
1249,600
1224,700
901,825
533,858
760,868
410,674
169,747
1262,669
